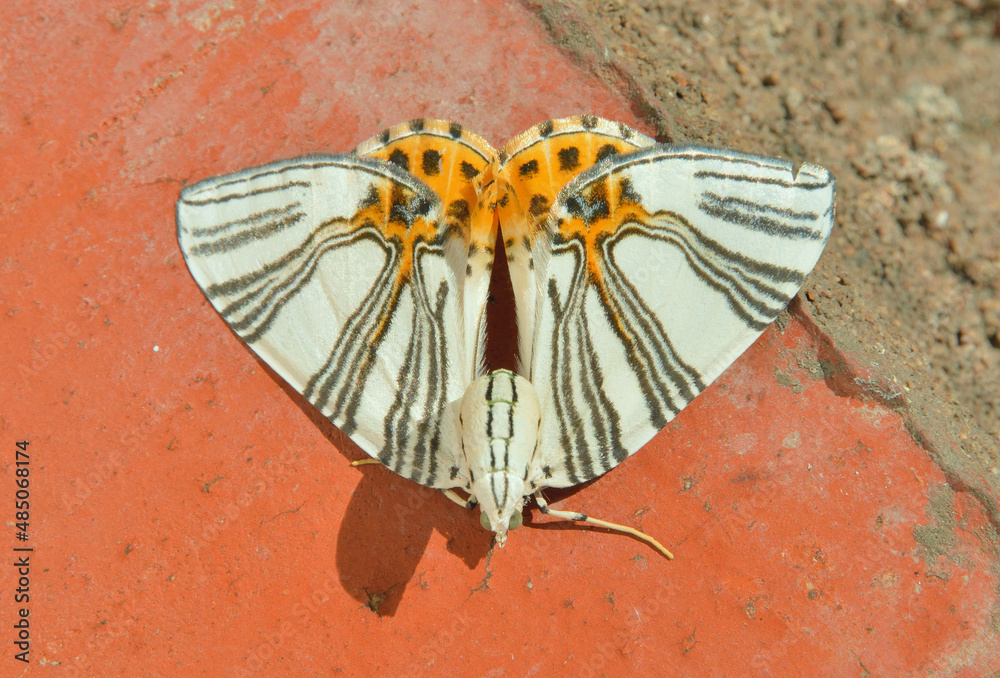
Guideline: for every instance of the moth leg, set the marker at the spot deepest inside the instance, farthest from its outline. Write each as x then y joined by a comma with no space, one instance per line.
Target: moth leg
363,462
455,497
584,518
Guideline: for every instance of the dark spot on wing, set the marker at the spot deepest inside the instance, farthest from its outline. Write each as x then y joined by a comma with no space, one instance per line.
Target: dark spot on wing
627,194
606,151
593,205
468,170
458,210
431,163
400,159
405,206
528,169
539,205
569,158
371,198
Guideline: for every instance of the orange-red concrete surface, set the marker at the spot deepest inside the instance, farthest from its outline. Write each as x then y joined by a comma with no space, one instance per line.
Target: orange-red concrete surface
191,516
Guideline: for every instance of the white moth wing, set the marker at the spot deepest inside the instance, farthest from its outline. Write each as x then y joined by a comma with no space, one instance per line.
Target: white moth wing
541,147
333,270
450,160
690,253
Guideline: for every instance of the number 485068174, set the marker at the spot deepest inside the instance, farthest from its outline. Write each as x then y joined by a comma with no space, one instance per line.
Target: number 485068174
21,504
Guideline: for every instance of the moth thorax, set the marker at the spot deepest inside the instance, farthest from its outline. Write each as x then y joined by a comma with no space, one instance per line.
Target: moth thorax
499,420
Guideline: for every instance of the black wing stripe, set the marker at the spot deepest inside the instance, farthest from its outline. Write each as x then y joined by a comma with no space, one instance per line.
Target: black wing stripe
728,238
256,219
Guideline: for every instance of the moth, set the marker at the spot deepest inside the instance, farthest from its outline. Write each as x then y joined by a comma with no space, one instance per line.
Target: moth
640,272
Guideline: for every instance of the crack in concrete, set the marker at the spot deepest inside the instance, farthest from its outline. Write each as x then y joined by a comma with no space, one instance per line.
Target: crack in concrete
484,585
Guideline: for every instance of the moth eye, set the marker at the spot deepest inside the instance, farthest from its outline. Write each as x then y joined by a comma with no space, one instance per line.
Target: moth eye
516,521
484,521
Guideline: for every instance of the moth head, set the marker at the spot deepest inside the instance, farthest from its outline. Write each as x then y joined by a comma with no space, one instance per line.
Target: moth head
500,497
516,520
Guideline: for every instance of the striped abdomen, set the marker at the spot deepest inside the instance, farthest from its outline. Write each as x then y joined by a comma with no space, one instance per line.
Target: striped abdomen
499,419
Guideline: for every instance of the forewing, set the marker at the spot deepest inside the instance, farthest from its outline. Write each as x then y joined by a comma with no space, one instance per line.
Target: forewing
533,168
666,264
333,270
451,161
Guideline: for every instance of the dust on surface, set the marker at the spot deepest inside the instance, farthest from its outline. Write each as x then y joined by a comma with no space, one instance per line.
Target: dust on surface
938,536
900,99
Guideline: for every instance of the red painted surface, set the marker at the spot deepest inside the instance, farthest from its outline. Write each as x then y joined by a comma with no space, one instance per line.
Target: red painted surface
191,516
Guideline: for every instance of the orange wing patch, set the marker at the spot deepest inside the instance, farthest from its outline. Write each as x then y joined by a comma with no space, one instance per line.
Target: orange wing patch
514,189
604,207
404,218
481,189
536,165
445,156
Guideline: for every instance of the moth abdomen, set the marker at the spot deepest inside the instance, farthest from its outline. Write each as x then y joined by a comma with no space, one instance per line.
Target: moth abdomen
500,418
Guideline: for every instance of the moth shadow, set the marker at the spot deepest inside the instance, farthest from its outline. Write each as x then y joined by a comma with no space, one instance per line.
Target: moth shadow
385,531
389,522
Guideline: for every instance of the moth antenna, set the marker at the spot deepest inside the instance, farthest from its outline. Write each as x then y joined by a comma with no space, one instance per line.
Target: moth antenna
584,518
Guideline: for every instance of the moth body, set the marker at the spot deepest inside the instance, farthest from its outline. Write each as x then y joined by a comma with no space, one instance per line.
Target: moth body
499,421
